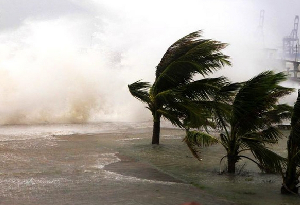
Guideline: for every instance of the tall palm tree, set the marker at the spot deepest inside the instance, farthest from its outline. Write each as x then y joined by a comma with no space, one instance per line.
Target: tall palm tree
290,180
249,122
174,93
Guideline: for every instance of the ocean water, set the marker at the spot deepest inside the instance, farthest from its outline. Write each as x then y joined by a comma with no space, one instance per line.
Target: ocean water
114,163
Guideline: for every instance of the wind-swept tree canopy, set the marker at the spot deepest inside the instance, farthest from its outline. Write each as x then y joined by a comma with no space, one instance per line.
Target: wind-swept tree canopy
175,95
249,121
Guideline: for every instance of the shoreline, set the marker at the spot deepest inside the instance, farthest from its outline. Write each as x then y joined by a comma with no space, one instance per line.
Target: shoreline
127,166
130,167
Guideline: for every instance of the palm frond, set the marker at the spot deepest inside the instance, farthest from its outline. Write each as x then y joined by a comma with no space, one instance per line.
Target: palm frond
174,94
195,140
169,96
270,135
194,115
200,139
197,117
221,105
268,159
190,112
278,114
227,92
256,96
140,90
172,115
177,49
204,89
221,116
186,57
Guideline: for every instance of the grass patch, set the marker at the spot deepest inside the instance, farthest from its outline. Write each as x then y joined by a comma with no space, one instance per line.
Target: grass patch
200,186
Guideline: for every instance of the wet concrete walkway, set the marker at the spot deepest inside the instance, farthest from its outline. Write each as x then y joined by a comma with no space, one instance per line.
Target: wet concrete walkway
130,167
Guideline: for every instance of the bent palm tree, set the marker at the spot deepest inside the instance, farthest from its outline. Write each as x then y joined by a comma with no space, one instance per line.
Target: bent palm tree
249,122
174,93
290,181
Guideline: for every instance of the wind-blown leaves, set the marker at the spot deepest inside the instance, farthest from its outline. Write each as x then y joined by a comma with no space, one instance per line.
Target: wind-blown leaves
177,49
247,113
172,115
203,89
255,112
222,104
140,90
270,135
268,160
278,114
175,95
186,57
195,139
258,95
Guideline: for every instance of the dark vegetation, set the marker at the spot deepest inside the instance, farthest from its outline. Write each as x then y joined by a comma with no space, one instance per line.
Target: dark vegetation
290,179
174,94
245,114
248,122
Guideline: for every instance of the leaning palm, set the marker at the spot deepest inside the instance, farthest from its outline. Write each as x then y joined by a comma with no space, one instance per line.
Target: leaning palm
249,122
174,94
292,173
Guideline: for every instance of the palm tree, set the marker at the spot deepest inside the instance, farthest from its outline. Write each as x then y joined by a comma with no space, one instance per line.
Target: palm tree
248,122
174,93
290,180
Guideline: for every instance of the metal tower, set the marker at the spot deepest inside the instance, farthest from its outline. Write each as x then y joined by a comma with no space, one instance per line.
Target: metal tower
291,53
291,43
261,26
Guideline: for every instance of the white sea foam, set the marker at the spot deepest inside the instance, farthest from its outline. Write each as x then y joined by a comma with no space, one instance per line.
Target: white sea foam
171,137
106,159
27,132
130,139
120,177
110,158
33,181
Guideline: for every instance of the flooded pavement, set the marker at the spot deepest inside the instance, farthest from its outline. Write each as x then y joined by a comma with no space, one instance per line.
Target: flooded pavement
249,187
54,167
116,164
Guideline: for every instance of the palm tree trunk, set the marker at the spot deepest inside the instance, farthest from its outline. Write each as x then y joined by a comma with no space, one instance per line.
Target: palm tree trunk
232,156
231,160
156,129
290,181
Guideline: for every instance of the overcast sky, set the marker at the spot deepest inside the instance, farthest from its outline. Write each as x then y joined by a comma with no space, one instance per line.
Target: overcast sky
71,60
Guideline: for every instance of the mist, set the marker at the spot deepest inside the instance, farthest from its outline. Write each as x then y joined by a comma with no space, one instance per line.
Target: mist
70,61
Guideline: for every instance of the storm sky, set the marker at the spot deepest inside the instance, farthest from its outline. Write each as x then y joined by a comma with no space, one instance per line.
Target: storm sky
71,60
